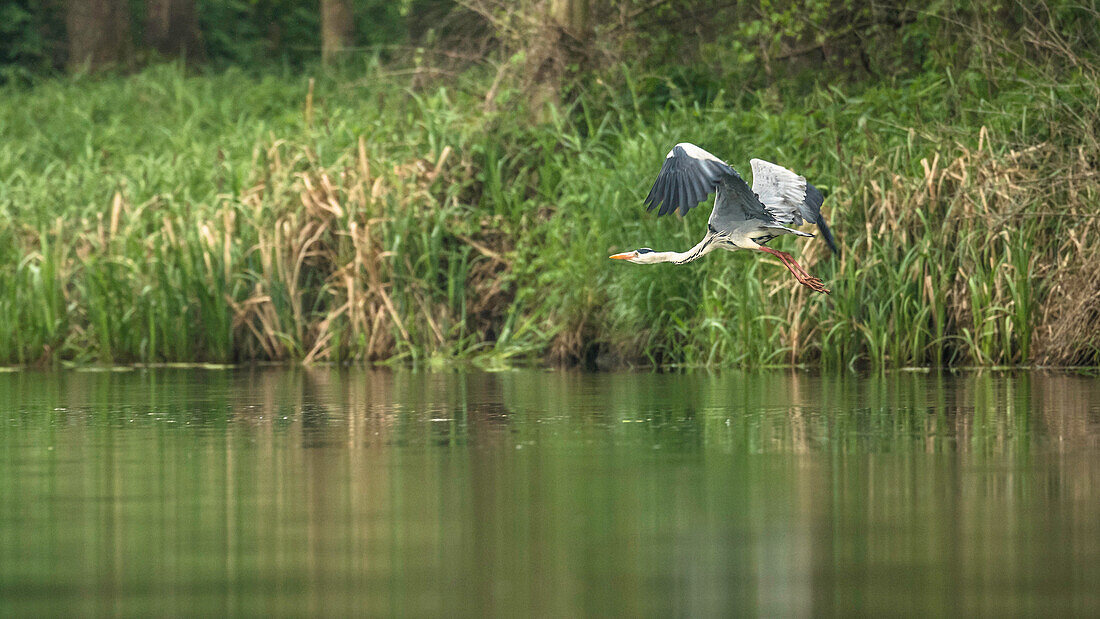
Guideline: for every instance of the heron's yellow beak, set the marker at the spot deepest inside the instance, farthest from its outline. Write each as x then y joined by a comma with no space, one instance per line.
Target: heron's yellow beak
625,256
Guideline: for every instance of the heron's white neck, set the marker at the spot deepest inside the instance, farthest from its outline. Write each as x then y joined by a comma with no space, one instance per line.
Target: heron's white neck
663,256
701,249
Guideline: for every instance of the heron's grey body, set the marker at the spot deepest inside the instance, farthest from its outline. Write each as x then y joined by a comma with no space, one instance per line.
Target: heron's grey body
742,218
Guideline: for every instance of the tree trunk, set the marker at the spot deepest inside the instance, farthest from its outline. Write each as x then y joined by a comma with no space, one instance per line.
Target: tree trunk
574,16
98,33
563,43
337,28
172,28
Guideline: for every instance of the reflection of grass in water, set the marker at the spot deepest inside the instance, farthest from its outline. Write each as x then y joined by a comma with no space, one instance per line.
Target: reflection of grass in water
903,480
161,217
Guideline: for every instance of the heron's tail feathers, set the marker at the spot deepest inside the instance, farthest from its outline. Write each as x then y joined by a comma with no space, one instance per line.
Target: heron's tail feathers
811,211
827,234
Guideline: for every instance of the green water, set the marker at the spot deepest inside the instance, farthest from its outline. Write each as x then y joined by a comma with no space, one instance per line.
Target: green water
549,493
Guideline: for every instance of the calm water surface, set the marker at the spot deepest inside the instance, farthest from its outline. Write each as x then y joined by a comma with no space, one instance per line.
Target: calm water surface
397,493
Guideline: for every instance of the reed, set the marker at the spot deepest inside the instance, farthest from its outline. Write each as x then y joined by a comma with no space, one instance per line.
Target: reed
172,217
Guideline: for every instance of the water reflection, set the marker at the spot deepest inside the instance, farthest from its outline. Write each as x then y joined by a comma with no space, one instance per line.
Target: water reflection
327,491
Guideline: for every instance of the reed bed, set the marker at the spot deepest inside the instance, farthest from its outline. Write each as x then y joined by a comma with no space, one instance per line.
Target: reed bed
163,217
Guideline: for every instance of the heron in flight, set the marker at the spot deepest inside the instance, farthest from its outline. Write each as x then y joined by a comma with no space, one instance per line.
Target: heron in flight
742,218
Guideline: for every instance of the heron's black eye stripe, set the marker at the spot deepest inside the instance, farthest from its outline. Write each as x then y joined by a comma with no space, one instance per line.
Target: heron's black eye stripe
645,250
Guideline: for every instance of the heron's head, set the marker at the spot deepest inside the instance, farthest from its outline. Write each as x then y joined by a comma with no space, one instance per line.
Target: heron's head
644,255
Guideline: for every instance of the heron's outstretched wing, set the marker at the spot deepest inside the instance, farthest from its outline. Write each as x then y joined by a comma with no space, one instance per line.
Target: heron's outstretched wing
690,174
736,203
788,198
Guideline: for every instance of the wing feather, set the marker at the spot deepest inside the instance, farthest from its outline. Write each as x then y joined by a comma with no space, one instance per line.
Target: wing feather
788,198
689,174
736,203
702,186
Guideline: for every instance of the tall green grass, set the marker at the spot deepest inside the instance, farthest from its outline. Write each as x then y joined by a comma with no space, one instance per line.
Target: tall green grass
171,217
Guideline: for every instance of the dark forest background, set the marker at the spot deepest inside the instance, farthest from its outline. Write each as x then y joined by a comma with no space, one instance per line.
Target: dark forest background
698,42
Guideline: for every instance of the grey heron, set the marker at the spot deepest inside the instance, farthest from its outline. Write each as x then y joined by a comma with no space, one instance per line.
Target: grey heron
742,218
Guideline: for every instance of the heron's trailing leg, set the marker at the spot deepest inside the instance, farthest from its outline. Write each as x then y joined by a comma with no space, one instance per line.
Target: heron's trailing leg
796,269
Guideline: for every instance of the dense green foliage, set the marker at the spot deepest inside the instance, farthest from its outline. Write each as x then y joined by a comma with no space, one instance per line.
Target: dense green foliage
248,33
352,215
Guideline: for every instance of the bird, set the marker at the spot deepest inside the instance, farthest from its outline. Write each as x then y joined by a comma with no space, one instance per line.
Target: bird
742,218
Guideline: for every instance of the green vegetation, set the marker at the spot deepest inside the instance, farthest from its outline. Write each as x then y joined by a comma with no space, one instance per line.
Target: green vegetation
350,216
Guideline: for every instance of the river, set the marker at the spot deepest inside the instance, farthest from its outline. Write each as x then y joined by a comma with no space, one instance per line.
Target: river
331,491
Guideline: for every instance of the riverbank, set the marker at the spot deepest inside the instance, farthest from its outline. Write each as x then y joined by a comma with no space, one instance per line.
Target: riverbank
227,217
